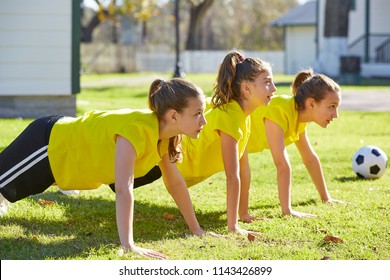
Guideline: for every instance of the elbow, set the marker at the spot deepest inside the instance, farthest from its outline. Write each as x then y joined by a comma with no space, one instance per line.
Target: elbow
283,167
174,187
310,161
232,179
246,171
124,190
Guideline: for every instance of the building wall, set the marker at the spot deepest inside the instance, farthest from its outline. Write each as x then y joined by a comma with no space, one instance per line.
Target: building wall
300,48
379,15
357,18
36,55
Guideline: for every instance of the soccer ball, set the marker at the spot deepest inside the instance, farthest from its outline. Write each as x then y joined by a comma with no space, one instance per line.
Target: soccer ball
369,162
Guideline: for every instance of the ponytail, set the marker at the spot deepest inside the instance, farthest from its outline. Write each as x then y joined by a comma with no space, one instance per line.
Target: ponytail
308,84
233,70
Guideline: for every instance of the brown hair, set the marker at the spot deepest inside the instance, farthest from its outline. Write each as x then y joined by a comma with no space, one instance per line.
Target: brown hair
308,84
173,94
232,72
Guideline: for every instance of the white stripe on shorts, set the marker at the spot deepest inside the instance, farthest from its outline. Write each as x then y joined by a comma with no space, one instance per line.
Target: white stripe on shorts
34,158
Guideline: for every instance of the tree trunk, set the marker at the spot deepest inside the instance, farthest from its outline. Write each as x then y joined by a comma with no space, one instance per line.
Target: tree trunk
197,13
86,32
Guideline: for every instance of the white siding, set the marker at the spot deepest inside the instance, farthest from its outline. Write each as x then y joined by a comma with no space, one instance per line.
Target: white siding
357,21
379,14
300,48
35,47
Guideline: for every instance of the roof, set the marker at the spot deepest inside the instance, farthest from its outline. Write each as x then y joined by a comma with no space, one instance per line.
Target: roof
301,15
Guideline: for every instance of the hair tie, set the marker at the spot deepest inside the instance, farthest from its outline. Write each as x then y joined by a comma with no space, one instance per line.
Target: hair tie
241,57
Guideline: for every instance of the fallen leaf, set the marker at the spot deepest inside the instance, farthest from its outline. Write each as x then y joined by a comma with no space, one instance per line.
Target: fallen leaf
321,230
325,258
45,202
251,237
168,216
333,239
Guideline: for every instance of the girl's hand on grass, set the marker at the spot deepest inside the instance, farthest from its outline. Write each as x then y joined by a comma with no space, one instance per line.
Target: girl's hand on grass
202,232
297,214
245,232
143,252
331,200
250,219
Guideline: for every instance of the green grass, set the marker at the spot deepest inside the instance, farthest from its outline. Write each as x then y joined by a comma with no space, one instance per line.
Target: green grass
84,227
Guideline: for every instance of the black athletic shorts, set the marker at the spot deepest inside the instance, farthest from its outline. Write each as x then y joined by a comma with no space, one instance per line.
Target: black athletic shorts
151,176
24,164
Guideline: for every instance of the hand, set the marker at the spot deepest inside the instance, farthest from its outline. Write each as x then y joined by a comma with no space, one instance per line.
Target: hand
331,200
297,214
202,232
250,219
143,252
241,231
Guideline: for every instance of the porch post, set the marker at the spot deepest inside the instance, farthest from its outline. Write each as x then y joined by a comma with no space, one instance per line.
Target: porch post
367,42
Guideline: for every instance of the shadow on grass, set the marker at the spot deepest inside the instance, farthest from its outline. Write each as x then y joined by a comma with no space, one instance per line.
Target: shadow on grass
349,179
89,225
276,207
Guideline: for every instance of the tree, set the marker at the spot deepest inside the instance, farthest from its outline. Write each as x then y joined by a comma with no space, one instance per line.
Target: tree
198,11
142,10
244,24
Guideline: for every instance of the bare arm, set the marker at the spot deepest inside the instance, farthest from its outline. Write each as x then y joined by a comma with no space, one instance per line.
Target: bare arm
275,137
245,177
313,165
177,188
125,156
231,163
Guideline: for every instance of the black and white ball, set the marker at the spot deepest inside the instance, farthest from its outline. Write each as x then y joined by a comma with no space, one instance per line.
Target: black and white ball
369,162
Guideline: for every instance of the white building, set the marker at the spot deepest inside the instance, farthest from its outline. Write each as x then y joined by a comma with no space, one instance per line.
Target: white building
368,38
39,57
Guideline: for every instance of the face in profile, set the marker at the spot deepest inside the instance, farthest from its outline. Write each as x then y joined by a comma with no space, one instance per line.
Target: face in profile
263,88
327,109
191,119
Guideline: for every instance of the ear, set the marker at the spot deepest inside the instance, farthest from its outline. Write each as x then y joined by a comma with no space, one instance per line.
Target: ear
245,88
310,102
172,115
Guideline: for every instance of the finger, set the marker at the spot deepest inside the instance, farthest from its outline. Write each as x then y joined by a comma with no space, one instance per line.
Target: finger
309,216
255,233
213,234
252,219
155,255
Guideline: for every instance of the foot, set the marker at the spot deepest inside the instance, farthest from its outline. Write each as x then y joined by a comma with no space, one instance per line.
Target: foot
70,192
3,206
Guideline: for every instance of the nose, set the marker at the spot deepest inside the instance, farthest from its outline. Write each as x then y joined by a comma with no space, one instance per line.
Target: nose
336,114
203,120
274,88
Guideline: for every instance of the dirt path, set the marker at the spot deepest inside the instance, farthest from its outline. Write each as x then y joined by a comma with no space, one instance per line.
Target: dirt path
371,100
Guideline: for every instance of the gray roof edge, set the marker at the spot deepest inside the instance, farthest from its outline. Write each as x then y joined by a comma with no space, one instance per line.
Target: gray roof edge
300,15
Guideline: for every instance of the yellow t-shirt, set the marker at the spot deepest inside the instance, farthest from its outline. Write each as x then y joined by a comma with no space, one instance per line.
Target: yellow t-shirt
282,111
202,157
82,150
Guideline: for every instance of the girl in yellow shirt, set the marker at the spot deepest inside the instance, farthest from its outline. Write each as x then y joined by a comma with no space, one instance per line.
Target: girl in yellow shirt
242,85
315,99
105,147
